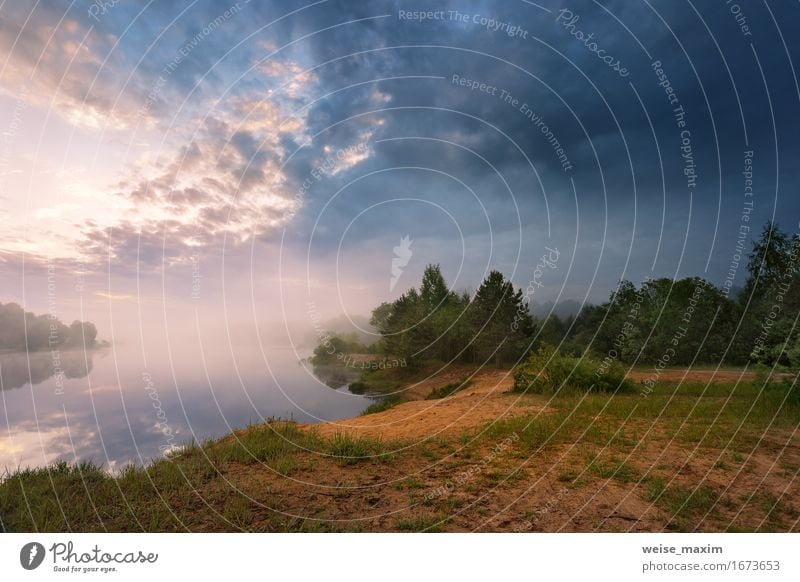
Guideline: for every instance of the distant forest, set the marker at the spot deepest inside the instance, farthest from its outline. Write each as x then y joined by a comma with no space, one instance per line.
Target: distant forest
674,322
23,330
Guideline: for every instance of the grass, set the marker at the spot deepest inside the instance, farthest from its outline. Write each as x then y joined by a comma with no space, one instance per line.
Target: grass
690,414
568,477
614,469
427,524
719,417
383,404
776,510
448,389
683,504
349,450
700,499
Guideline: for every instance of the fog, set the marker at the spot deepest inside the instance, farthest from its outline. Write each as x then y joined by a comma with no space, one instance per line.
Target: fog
261,295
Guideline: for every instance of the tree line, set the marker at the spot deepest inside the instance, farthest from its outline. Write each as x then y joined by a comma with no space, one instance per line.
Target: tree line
437,323
24,330
674,322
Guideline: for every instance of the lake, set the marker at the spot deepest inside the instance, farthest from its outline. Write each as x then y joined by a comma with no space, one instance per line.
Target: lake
122,404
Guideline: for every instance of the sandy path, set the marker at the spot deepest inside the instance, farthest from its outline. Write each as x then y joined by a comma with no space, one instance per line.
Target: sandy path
486,399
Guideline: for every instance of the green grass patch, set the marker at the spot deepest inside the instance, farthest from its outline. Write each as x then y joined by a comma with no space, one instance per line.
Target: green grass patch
427,524
684,505
685,413
448,389
349,450
568,477
382,405
614,469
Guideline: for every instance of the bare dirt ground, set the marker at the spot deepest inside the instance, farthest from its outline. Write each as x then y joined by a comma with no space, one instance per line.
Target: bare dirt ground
487,398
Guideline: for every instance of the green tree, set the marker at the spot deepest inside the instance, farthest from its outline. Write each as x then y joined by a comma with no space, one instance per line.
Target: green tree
501,321
770,303
767,261
433,292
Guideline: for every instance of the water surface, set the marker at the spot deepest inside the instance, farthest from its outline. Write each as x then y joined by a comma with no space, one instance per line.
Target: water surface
123,404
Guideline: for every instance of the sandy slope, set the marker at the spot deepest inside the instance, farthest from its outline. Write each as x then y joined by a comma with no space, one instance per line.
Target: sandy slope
486,399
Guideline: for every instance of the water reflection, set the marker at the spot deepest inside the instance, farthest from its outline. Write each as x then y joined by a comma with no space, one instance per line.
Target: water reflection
336,376
18,369
119,405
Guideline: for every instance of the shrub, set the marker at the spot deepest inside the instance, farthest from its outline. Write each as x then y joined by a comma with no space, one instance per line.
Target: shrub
448,389
358,387
547,371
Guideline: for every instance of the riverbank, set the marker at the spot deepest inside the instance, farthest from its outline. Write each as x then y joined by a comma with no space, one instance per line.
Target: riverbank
705,457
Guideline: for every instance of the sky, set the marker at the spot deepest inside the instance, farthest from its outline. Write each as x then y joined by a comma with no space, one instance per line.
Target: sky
264,162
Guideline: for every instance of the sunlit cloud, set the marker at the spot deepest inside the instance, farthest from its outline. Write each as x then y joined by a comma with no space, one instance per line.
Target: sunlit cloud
114,296
66,67
228,182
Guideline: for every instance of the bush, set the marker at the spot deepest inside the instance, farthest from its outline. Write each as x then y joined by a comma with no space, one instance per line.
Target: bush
547,371
448,389
358,387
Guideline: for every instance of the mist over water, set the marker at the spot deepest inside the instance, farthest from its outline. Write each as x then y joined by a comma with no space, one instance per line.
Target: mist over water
131,405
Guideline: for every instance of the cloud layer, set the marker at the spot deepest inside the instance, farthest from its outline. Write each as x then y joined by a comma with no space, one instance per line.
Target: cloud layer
482,131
